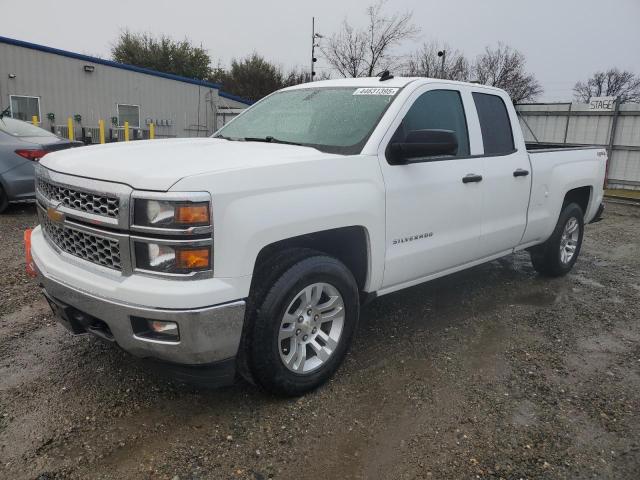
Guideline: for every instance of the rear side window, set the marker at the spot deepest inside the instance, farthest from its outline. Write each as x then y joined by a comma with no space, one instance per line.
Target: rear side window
18,128
437,109
497,136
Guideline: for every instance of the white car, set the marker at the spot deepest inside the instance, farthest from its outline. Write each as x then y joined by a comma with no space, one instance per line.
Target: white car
252,251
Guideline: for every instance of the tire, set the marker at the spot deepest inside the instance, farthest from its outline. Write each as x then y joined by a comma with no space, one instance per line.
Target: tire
291,348
557,256
4,201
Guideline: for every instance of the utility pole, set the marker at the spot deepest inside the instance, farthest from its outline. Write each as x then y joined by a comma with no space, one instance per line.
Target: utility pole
313,47
314,36
443,54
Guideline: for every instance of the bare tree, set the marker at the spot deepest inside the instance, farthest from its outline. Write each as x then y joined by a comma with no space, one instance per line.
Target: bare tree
504,67
426,63
345,51
613,83
357,52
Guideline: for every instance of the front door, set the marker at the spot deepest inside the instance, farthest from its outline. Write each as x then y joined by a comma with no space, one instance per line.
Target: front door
433,217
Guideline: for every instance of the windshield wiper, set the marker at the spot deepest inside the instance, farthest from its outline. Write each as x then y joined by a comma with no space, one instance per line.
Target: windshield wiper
270,139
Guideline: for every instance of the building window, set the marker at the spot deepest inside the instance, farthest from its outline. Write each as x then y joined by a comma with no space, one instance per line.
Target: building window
24,107
128,113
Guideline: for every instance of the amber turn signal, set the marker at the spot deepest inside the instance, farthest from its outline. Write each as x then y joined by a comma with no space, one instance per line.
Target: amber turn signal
192,214
192,259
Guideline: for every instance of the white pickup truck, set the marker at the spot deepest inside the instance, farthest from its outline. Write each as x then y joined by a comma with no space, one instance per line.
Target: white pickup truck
251,252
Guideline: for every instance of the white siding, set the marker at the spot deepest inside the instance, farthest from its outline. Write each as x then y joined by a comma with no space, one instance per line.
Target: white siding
65,89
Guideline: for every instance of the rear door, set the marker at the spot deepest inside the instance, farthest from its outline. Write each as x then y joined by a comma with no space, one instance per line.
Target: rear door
507,174
433,218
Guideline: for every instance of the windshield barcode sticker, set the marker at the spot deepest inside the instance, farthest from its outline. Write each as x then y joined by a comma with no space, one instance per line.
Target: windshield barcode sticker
376,91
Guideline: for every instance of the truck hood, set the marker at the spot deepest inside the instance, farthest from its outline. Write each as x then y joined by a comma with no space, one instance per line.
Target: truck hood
158,164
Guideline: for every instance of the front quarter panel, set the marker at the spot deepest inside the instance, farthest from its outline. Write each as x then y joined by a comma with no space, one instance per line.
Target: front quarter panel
253,208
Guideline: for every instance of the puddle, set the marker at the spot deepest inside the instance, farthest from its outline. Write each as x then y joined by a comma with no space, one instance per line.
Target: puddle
586,281
537,299
606,343
525,414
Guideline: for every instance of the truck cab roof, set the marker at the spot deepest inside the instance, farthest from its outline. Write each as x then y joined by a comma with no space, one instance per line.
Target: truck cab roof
375,82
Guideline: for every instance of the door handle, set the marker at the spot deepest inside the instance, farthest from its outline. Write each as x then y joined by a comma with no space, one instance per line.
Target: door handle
472,177
520,173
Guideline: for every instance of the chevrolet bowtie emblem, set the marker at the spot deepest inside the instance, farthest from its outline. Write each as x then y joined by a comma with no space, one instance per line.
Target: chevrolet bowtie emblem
55,215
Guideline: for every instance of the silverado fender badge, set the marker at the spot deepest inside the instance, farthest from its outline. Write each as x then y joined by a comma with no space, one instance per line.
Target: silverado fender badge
55,215
412,238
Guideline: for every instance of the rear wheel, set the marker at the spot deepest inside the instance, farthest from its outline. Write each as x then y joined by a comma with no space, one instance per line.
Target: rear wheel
559,253
4,201
304,326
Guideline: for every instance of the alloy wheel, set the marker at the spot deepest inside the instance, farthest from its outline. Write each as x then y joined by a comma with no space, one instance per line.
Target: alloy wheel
311,328
569,240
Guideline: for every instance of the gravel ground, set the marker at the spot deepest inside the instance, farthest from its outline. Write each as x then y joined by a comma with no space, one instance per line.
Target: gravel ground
490,373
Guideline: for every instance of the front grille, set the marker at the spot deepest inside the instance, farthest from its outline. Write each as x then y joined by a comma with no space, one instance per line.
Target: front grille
103,205
95,249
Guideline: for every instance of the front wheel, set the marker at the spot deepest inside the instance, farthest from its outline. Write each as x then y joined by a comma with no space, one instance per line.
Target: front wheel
304,326
559,253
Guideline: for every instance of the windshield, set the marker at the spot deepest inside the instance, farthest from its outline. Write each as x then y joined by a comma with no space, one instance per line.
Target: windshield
18,128
335,120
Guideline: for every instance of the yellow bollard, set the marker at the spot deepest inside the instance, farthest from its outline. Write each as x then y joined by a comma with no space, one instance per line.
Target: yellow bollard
101,128
152,131
34,120
126,131
70,128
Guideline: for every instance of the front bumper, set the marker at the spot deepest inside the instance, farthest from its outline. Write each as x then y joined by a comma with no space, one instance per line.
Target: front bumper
207,335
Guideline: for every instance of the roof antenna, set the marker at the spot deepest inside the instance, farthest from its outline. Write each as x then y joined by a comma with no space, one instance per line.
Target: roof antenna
385,76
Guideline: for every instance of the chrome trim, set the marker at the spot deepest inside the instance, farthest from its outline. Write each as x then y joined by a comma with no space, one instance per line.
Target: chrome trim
171,197
125,222
207,334
122,239
151,340
203,242
97,187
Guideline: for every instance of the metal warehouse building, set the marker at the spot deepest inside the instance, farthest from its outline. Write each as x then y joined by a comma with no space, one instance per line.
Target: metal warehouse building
56,85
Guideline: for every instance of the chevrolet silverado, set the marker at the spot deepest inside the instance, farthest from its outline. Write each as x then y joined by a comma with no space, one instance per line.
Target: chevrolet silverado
251,252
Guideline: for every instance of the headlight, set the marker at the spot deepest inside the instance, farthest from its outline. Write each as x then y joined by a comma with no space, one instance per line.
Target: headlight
171,214
172,258
173,233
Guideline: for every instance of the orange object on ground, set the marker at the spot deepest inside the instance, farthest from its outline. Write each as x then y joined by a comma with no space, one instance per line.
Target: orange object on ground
29,267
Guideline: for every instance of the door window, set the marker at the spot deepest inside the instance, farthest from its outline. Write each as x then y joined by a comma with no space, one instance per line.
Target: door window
437,109
495,125
24,108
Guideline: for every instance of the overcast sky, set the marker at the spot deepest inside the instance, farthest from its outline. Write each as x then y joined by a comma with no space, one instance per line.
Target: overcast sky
563,40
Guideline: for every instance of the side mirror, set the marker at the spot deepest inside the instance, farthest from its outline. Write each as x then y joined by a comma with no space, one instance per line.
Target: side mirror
423,143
